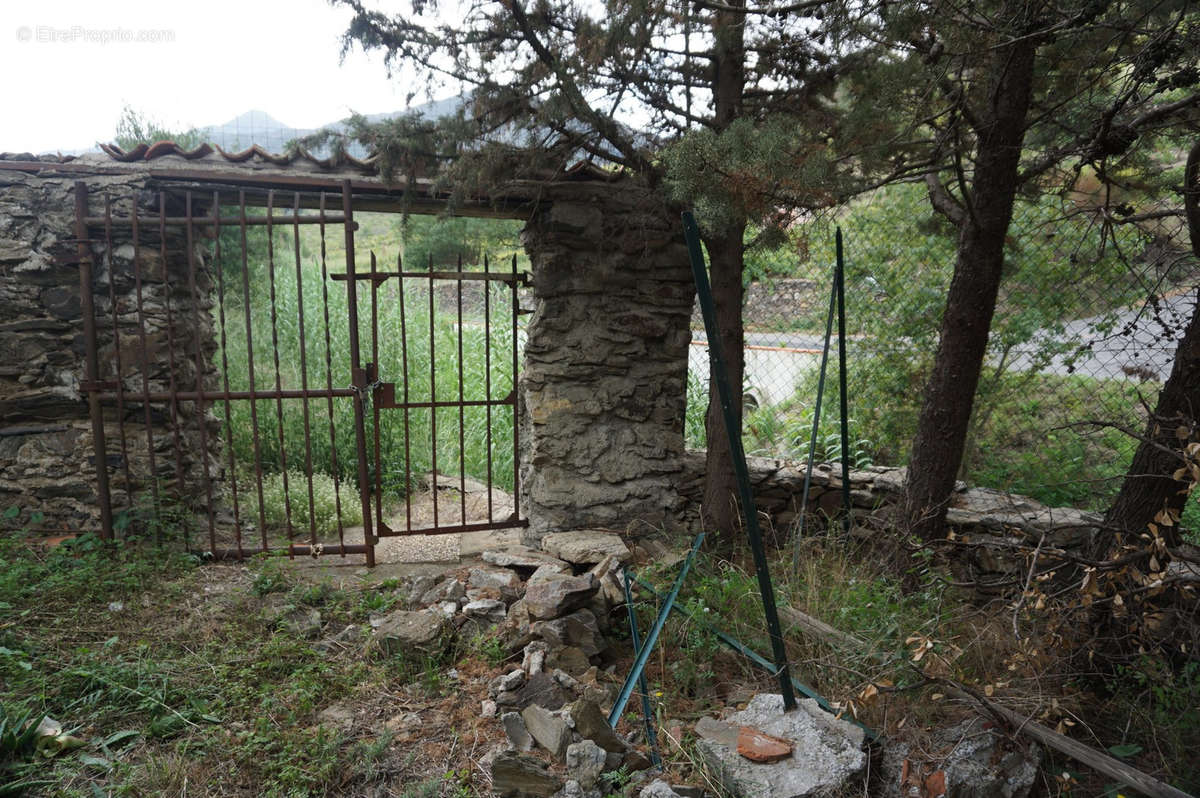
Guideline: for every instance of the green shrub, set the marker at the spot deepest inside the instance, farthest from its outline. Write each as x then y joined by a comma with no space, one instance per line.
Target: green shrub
277,502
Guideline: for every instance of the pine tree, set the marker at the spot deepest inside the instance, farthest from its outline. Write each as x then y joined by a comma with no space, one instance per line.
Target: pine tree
1020,96
729,108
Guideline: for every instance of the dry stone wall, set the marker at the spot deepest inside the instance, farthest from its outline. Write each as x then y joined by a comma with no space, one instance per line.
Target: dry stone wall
1000,522
47,459
606,360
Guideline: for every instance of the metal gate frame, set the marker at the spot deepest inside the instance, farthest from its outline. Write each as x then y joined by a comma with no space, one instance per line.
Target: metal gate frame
366,386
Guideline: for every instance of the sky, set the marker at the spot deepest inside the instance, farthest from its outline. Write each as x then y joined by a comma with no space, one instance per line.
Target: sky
71,67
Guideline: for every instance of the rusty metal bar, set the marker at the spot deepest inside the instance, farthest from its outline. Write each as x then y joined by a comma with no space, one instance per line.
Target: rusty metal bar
516,320
487,380
319,549
498,277
287,499
462,422
92,363
180,488
120,370
258,469
201,413
512,522
185,221
433,392
359,376
374,368
220,268
287,393
298,549
337,479
308,470
406,406
387,401
137,281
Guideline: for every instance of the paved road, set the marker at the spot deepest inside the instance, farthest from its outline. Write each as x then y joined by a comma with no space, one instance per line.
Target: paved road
1141,345
775,362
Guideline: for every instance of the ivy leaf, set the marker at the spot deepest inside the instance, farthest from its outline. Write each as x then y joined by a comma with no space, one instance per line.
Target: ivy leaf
1125,751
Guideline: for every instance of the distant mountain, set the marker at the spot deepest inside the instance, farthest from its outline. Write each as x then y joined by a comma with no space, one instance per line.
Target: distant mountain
252,127
259,127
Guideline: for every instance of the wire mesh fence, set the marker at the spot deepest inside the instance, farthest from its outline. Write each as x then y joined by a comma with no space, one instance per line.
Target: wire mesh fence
1091,307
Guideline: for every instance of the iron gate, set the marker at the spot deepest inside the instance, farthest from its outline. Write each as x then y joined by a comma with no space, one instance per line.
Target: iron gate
183,288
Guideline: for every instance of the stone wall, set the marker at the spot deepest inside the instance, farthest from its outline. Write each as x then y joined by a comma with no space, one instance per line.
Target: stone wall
47,459
1001,518
769,303
602,392
606,360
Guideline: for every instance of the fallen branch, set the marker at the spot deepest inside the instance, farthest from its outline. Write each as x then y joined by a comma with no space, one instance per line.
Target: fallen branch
1097,760
819,628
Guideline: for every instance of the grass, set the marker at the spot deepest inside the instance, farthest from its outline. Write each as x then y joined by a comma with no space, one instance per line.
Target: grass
1024,438
263,342
1048,459
178,679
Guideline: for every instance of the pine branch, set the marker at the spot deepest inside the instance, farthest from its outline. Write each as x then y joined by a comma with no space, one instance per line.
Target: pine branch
603,125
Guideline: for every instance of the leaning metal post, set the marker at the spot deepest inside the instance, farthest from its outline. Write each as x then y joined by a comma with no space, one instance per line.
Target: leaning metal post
816,428
643,655
647,714
837,303
749,510
839,276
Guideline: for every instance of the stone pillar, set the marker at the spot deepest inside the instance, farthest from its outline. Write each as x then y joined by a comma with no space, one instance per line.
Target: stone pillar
605,376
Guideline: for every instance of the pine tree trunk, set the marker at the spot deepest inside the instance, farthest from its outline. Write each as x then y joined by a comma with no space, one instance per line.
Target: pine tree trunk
720,506
726,256
1148,486
971,302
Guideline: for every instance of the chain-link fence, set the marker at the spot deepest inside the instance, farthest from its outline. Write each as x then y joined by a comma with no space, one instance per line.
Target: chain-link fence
1086,327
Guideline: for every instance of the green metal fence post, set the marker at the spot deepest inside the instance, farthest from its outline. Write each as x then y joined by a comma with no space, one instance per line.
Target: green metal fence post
734,432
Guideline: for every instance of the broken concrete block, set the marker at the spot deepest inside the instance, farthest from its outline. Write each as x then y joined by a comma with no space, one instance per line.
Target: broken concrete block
540,689
520,558
449,589
585,763
827,751
658,789
579,629
591,724
403,631
489,610
548,571
515,731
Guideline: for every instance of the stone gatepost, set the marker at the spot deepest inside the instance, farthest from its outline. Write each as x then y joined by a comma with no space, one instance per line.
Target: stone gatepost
604,383
47,456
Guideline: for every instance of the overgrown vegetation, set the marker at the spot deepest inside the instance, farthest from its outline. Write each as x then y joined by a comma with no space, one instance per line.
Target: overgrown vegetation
167,678
1068,282
416,348
909,626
